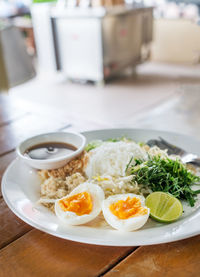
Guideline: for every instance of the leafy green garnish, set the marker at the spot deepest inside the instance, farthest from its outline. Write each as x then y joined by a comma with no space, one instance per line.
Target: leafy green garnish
93,144
165,175
141,143
119,139
96,143
129,163
113,140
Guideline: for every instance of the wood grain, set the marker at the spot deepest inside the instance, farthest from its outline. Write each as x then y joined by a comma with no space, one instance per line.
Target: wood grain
9,110
180,258
34,253
29,125
28,252
11,227
4,162
39,254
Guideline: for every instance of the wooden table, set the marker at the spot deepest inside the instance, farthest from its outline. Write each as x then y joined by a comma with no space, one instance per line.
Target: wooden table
26,251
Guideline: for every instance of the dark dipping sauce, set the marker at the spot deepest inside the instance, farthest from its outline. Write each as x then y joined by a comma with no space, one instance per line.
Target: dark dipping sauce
49,150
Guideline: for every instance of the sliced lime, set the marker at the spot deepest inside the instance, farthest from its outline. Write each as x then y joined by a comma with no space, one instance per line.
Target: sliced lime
164,207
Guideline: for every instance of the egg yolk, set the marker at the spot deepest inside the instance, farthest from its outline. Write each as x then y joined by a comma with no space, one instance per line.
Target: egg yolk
80,203
124,209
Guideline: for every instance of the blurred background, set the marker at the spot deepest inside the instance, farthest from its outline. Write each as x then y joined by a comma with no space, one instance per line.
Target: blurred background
122,62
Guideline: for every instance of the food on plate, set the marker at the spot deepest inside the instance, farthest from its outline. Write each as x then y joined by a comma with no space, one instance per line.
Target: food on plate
49,150
59,182
166,175
111,158
126,172
125,212
164,207
82,205
92,145
76,165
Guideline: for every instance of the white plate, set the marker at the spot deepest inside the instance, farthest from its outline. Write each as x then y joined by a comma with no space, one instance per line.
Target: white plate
21,186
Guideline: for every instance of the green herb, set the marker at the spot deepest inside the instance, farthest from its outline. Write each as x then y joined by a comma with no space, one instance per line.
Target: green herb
96,143
113,140
93,144
141,143
165,175
127,166
119,139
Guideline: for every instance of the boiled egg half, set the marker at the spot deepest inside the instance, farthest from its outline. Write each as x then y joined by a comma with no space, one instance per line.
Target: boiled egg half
82,205
125,212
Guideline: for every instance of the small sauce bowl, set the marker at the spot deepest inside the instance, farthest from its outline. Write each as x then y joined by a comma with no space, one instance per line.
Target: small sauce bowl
75,139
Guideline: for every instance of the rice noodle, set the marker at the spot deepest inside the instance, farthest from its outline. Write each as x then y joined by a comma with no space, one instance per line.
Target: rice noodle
111,158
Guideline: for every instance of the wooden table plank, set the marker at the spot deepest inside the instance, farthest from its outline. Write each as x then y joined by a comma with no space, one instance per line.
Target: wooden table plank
4,162
11,227
180,258
64,256
39,254
9,110
12,134
29,252
78,123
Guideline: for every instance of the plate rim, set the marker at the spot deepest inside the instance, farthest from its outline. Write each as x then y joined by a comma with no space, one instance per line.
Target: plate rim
86,240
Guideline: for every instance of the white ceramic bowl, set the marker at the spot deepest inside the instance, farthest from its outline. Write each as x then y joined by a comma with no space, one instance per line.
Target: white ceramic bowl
75,139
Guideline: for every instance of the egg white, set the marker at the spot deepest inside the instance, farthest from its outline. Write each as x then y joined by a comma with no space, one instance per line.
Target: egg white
72,218
130,224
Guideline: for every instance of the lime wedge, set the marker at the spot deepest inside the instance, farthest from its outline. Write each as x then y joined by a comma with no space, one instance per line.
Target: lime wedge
164,207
